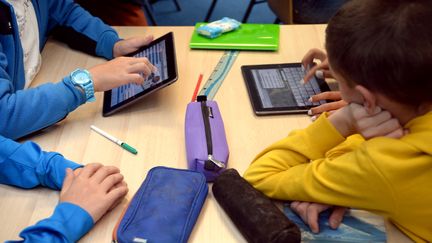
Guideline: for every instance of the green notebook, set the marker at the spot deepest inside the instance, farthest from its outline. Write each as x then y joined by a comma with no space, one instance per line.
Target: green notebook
248,37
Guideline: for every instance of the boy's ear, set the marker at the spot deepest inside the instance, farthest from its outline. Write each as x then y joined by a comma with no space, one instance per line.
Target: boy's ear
369,98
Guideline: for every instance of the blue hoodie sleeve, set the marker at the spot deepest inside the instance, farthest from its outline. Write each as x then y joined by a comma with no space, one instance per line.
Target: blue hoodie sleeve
68,223
27,166
88,31
26,111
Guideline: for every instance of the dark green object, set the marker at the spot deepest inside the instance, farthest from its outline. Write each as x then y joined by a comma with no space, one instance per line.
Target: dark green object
129,148
260,37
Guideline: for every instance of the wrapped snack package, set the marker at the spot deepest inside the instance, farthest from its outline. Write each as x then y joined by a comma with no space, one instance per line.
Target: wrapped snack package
217,28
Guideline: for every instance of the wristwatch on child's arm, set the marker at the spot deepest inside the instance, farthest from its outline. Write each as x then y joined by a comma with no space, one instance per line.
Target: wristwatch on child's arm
81,78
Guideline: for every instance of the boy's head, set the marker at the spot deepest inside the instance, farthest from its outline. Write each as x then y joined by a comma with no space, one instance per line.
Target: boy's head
384,46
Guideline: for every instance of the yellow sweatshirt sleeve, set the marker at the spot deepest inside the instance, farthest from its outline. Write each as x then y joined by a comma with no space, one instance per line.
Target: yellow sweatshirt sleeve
317,164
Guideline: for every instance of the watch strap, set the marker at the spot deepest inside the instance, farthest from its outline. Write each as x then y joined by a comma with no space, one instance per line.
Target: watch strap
87,86
89,91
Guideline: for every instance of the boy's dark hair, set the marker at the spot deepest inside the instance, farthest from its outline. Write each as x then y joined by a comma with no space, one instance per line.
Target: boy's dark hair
386,46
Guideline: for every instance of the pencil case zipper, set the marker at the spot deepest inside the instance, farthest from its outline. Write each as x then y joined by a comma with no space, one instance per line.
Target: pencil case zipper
211,163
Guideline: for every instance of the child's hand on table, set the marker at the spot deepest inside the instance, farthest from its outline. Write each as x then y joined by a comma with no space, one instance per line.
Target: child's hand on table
95,188
309,212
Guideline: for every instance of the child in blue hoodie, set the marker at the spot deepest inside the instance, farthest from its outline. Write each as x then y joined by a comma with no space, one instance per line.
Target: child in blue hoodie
24,28
88,192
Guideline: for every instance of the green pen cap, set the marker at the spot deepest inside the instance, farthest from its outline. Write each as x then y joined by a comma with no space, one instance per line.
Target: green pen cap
129,148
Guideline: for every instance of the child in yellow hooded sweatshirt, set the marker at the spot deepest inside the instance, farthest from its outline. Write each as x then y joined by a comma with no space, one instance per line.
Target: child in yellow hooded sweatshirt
375,153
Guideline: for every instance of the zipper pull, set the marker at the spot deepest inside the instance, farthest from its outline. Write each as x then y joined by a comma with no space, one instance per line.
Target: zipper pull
215,161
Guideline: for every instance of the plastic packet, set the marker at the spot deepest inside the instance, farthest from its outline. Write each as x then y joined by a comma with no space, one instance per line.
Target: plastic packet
217,28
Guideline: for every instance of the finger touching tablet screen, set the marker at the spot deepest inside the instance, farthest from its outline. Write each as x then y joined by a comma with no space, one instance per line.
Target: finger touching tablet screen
161,54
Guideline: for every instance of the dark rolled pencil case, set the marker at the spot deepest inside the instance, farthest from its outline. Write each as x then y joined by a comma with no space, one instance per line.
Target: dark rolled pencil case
164,209
254,214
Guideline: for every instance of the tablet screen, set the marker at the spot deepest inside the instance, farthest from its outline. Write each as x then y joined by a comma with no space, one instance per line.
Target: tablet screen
157,56
161,54
272,87
276,88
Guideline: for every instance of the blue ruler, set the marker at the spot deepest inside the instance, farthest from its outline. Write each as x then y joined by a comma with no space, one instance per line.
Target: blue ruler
218,75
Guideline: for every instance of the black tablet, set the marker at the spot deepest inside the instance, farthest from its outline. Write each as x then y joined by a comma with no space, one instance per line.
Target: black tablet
276,88
161,53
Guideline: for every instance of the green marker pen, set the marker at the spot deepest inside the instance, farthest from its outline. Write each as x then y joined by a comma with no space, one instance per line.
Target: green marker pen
115,140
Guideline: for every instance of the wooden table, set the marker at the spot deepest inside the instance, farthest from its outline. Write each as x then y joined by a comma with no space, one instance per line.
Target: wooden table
155,127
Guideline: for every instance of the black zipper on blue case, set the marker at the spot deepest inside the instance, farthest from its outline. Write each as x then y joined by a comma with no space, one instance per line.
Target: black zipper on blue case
211,163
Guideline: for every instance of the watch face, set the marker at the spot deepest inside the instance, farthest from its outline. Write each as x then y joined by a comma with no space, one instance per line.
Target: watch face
81,77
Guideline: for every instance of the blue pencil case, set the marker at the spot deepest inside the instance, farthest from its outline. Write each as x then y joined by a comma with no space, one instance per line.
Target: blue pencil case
164,209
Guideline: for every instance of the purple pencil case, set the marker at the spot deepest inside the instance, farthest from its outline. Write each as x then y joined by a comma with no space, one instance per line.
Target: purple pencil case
206,144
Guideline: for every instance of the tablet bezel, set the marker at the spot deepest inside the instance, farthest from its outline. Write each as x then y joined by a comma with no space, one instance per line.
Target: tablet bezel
256,100
172,76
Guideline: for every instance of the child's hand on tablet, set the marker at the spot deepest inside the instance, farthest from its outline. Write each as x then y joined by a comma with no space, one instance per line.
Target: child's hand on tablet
336,103
121,71
142,69
124,47
320,70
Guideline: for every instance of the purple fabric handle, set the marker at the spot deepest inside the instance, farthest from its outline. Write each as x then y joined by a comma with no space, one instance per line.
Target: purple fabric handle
196,143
